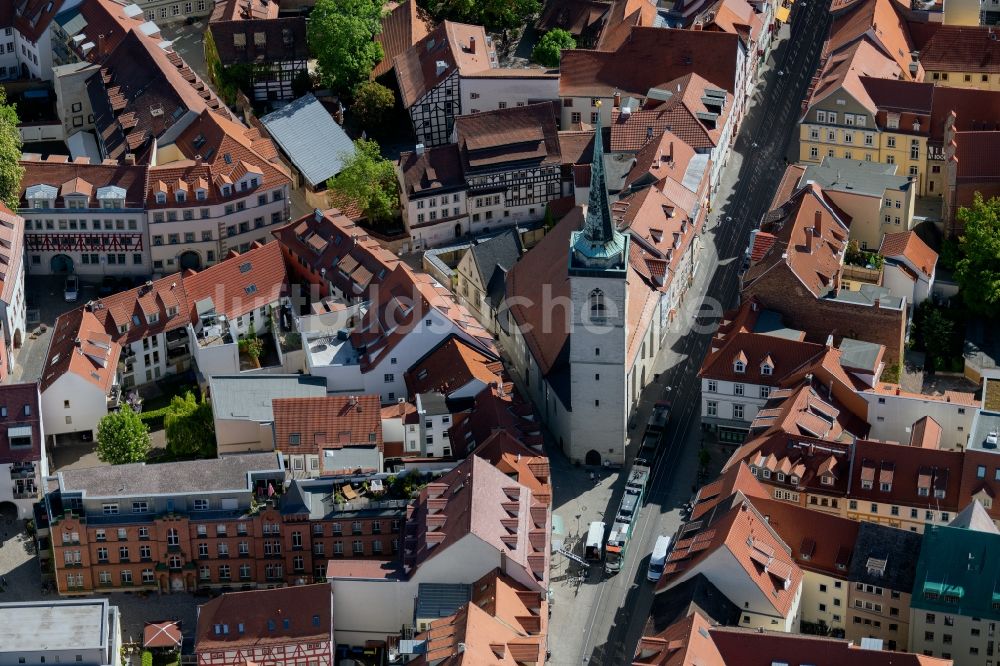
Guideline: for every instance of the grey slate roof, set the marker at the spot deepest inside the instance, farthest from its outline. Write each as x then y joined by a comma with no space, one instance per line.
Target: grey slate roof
695,594
436,600
898,547
311,138
249,396
494,258
858,354
190,476
770,322
974,517
843,175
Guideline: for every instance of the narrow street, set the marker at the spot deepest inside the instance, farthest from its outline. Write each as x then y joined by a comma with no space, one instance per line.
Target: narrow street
606,615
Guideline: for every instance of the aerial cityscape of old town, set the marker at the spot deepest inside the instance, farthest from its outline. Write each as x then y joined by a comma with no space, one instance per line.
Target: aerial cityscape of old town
499,332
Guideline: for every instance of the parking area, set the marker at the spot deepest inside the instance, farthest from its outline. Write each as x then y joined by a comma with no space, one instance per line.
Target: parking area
46,301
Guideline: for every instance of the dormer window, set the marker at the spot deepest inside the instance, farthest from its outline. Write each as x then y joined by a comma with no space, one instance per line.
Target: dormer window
766,369
795,480
923,492
200,195
226,190
939,494
781,477
123,328
171,311
766,473
161,197
181,195
253,182
826,480
739,367
153,317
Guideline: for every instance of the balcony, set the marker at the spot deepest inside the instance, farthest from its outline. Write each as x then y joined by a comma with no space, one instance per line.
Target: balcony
115,397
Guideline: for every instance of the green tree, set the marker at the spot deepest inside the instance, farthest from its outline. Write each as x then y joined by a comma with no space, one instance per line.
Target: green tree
549,48
935,333
189,427
341,35
978,270
122,437
494,15
372,104
369,180
11,170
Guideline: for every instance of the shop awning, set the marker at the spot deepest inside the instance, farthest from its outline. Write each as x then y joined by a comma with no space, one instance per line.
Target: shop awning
781,13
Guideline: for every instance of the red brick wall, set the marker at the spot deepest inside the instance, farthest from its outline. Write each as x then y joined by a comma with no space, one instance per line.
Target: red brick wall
781,291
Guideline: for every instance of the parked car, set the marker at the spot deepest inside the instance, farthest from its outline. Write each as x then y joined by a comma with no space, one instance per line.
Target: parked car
658,559
108,286
72,289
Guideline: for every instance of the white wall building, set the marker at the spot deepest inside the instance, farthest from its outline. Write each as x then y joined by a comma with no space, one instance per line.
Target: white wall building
77,631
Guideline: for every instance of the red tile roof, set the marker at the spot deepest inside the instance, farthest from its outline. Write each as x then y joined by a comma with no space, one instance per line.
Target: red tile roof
678,114
403,300
106,25
577,17
94,358
844,70
497,407
973,110
403,25
620,20
667,55
683,643
452,365
929,469
162,635
531,468
240,284
33,17
763,559
503,624
329,422
880,23
809,238
324,242
737,478
22,407
521,135
284,38
744,647
665,156
437,170
909,246
55,172
460,47
300,613
958,48
820,542
478,500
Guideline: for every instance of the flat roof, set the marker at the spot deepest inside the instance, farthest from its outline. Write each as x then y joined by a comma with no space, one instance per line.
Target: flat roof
57,625
843,175
984,423
189,476
249,396
859,354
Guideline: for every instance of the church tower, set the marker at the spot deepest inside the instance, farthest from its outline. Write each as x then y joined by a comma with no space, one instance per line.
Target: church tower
598,266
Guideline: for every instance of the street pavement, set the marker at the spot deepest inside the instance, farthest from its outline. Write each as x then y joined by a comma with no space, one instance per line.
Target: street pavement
599,619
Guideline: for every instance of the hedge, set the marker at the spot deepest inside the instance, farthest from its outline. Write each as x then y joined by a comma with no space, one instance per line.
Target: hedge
147,658
154,418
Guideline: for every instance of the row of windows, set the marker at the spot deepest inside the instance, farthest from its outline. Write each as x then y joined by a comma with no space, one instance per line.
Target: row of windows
712,409
850,119
894,511
175,9
943,76
575,117
739,389
74,225
433,202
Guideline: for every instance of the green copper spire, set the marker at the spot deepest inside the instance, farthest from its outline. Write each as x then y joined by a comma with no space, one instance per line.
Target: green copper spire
598,247
598,227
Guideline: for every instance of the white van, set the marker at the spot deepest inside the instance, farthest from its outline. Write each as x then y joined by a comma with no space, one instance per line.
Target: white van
658,559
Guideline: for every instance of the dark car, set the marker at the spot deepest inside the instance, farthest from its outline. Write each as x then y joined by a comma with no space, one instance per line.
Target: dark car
108,286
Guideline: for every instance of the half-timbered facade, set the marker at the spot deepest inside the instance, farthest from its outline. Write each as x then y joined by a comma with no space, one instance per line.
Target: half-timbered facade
272,48
84,218
281,627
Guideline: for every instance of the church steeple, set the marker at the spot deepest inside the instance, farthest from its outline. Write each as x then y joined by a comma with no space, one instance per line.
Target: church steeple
598,246
598,226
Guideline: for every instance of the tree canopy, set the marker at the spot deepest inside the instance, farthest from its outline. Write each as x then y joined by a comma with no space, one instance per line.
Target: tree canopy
122,437
935,333
494,15
341,35
978,270
11,170
372,104
189,426
369,180
549,48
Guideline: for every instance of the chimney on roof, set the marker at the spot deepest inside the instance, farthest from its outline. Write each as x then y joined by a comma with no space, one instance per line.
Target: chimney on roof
809,240
472,44
100,44
130,159
819,224
670,154
419,149
617,100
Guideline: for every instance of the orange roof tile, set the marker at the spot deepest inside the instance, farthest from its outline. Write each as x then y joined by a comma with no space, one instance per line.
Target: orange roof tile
909,246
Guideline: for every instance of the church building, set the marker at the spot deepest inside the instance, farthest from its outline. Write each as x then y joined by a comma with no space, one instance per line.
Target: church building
587,309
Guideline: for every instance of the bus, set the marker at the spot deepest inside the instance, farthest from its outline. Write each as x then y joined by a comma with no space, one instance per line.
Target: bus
626,518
